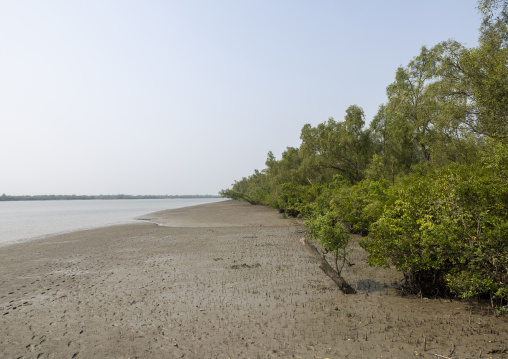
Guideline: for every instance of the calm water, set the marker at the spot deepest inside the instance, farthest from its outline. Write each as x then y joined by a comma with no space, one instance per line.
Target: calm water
26,220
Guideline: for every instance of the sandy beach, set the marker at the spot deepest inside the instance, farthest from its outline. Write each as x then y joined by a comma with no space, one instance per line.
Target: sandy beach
222,280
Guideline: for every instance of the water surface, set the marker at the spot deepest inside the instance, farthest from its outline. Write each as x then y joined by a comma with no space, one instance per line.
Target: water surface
25,220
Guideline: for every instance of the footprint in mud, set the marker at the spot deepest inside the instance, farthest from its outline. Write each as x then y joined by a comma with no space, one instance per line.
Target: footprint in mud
245,265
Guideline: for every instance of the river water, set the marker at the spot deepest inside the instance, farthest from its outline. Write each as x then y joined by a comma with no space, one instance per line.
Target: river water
26,220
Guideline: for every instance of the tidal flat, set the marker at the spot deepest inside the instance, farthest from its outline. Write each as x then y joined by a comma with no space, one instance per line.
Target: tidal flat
222,280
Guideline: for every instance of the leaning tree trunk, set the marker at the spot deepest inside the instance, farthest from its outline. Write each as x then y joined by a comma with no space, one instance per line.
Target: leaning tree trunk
327,268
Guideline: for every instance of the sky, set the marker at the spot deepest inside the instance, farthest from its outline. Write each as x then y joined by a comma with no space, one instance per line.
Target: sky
185,97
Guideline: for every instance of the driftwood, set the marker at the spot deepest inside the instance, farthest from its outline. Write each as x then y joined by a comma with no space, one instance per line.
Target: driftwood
327,268
441,356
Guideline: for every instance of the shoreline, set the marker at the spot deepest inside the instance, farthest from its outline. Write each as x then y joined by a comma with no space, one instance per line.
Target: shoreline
218,280
79,216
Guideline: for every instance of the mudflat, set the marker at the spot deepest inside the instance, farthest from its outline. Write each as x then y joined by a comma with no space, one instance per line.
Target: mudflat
222,280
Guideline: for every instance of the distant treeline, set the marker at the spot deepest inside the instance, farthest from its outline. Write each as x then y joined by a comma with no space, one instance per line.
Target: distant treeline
53,197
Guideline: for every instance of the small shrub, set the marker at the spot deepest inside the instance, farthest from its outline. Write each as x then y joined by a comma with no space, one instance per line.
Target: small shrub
330,233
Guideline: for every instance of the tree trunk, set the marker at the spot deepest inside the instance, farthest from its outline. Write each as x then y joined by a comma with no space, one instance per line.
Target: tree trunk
327,268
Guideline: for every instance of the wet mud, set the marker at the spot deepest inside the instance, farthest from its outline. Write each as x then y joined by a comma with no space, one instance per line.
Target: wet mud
222,280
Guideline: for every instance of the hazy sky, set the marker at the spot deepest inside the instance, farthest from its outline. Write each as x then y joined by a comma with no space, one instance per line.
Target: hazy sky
184,97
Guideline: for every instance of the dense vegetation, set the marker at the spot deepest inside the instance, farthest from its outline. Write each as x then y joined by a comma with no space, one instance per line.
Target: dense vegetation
53,197
425,182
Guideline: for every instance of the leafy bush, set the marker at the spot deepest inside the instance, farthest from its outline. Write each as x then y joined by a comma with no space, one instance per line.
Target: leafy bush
330,233
448,230
360,205
298,200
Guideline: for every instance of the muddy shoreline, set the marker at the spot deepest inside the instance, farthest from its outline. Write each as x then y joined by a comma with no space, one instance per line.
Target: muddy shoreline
215,281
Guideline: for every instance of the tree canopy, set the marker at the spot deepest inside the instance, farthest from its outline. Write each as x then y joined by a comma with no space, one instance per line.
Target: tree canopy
425,181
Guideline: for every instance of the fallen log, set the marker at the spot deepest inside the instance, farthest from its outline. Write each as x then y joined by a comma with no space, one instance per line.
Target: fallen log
327,268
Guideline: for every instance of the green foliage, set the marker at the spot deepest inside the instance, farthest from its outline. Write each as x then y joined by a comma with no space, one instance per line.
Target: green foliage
360,205
427,178
487,82
333,148
253,189
296,200
448,230
329,232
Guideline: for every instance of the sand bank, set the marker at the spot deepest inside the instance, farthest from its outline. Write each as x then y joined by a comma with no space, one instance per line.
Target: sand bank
215,281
